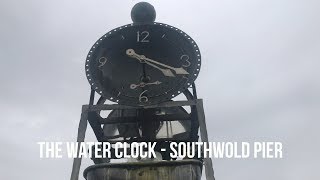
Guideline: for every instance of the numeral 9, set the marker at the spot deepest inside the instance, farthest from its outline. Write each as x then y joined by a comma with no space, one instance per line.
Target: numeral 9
102,61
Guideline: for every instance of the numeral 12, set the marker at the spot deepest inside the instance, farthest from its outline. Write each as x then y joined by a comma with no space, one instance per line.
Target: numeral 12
143,36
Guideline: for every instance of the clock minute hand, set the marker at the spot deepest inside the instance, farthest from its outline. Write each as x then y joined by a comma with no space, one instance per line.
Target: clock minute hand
142,58
166,72
177,70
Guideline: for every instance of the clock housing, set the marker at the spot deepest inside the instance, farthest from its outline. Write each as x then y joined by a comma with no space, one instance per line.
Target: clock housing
143,63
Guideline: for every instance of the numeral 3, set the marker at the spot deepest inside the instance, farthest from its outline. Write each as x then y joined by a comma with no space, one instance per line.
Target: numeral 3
185,58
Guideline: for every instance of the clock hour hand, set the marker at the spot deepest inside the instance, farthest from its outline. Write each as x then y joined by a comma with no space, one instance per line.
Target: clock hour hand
166,72
131,53
143,84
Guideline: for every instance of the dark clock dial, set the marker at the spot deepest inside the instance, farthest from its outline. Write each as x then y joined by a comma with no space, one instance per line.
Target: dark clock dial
143,64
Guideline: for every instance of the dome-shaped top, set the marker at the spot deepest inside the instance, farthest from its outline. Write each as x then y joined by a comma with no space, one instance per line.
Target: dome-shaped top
143,12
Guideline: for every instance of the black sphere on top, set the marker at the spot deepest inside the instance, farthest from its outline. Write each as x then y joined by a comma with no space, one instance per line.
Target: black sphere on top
143,12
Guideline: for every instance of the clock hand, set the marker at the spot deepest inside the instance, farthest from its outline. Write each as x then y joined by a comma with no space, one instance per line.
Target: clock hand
177,70
141,58
143,84
166,72
131,53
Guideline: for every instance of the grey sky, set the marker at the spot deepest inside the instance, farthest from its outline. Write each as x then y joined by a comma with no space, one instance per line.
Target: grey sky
260,78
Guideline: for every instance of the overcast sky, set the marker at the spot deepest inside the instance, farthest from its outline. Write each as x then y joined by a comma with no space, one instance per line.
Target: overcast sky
259,79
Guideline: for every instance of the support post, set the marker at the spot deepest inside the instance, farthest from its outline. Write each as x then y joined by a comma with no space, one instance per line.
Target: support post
204,138
81,135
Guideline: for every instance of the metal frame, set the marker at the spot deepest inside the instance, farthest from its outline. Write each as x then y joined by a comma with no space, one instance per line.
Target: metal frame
87,109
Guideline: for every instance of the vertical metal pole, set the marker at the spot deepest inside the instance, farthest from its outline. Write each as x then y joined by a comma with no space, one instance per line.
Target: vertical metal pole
80,138
81,135
91,100
194,91
204,138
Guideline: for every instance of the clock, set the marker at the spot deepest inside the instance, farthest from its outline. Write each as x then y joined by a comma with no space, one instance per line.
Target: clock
143,63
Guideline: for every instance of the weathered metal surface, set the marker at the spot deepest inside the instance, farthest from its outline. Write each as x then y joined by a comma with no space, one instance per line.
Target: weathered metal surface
158,170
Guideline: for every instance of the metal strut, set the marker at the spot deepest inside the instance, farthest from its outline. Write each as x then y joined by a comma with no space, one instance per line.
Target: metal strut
81,136
204,138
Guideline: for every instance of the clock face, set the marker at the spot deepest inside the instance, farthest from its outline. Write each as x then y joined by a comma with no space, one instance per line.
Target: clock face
143,64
